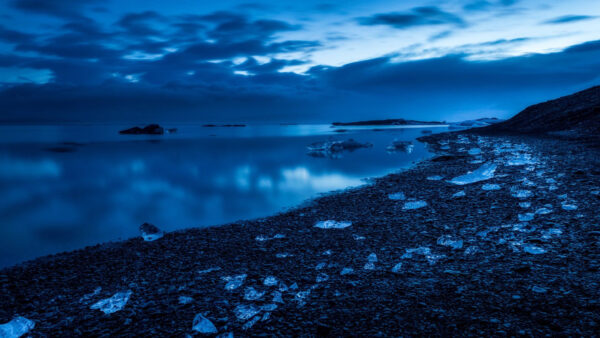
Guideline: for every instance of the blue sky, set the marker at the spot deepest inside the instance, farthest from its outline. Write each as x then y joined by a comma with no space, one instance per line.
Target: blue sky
290,61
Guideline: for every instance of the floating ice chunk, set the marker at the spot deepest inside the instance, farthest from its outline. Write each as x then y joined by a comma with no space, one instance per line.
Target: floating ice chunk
114,303
320,266
434,178
485,172
445,147
489,186
322,277
282,255
397,268
539,289
525,205
346,271
150,232
326,253
279,236
250,323
358,238
185,299
521,193
547,234
595,192
270,281
543,211
399,196
414,205
562,197
203,325
17,327
245,312
209,270
265,316
532,249
474,151
329,224
568,206
250,293
524,227
526,217
447,240
294,286
459,194
234,282
277,297
90,295
225,335
476,161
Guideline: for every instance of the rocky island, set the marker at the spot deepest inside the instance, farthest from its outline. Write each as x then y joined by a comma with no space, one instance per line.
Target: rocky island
498,234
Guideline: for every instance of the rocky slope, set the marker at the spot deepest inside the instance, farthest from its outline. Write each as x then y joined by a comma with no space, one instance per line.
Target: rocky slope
573,115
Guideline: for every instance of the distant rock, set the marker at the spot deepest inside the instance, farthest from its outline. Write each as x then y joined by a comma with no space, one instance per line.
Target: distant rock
573,115
151,129
387,122
223,125
150,232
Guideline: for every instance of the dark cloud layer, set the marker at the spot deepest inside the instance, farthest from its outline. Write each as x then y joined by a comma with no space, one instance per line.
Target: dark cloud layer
569,19
418,16
432,88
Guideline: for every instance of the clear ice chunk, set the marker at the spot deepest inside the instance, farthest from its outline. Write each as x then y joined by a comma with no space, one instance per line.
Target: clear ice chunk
521,193
245,312
346,271
526,217
398,196
270,281
474,151
277,297
322,277
543,211
209,270
371,260
532,249
269,307
568,206
150,232
234,282
414,205
203,325
397,268
90,295
434,178
320,266
114,303
521,159
490,186
250,293
358,238
329,224
250,323
424,251
17,327
185,299
525,205
539,289
547,234
459,194
447,240
485,172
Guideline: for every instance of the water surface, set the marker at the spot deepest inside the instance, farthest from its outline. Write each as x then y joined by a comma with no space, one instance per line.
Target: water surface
65,187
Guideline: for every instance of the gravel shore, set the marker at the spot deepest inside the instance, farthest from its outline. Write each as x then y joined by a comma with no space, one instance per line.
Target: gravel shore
514,254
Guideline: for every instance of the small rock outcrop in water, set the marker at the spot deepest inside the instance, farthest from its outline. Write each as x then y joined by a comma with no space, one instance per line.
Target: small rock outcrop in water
151,129
400,146
150,232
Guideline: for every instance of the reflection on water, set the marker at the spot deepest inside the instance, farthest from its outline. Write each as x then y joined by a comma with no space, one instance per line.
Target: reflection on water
105,185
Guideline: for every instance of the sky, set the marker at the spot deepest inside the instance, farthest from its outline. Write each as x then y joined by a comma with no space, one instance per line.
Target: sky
91,61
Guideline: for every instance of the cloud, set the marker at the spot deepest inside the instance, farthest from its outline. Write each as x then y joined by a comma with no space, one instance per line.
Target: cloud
59,8
484,5
12,36
418,16
569,19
